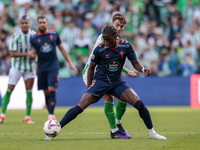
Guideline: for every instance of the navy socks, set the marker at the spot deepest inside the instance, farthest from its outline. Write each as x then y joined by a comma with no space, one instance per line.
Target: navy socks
144,113
52,102
71,114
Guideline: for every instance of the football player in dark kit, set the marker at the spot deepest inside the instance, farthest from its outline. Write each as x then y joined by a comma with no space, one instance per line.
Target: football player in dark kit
44,45
110,57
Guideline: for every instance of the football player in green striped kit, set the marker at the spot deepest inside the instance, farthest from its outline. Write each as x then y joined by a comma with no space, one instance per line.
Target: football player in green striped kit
21,66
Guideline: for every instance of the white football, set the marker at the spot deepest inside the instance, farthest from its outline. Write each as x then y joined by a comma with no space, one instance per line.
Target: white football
52,128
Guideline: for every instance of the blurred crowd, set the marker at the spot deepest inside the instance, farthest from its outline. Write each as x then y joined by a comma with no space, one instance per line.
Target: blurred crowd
165,34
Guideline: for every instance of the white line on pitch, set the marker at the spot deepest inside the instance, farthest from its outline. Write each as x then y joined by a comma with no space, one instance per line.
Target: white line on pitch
97,133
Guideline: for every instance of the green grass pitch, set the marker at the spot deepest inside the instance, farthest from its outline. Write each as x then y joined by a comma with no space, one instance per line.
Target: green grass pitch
90,130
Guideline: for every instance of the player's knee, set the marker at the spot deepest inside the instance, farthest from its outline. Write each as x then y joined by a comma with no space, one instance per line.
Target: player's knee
139,105
87,99
50,89
108,98
11,87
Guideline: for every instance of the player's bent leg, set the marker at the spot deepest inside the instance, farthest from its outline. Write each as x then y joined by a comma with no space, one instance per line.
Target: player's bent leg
109,111
71,114
120,110
117,130
132,98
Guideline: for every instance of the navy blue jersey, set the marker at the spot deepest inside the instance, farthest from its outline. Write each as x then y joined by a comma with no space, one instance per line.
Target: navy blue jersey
45,46
110,61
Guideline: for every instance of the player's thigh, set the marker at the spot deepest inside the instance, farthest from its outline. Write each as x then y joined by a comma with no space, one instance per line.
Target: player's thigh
119,89
87,100
130,96
98,88
42,80
108,98
14,76
53,78
29,80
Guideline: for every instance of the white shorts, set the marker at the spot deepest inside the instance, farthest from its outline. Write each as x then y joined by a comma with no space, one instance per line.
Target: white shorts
85,78
14,76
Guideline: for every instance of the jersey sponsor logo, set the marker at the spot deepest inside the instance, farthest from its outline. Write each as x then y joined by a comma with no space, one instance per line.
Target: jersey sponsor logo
113,66
24,46
46,47
122,45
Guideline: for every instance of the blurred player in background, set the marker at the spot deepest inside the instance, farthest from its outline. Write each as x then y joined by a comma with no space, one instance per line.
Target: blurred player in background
44,45
107,79
22,66
118,22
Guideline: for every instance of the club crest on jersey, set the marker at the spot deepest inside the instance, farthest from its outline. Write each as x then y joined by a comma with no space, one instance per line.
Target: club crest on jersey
46,47
113,66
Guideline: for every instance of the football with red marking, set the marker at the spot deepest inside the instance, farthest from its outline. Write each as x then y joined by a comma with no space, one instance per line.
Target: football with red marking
52,128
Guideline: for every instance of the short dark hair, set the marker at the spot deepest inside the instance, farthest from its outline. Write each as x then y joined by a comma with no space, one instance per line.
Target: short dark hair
41,17
110,30
122,18
24,17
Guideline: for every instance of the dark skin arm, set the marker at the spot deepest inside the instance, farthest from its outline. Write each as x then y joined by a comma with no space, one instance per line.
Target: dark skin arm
136,64
16,54
90,74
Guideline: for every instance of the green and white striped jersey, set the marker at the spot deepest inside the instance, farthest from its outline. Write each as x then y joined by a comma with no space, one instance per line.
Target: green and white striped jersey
69,35
20,43
98,41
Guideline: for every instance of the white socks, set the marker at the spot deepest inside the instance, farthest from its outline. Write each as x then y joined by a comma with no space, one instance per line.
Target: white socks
3,115
26,117
152,131
118,121
114,130
51,115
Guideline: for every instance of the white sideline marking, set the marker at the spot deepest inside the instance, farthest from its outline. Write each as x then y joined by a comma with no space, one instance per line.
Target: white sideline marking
97,133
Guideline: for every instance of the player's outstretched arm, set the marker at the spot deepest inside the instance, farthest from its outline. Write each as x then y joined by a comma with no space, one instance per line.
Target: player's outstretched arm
67,57
136,64
129,72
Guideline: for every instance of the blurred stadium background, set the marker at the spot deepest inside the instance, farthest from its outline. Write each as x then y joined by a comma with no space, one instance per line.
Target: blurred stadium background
165,35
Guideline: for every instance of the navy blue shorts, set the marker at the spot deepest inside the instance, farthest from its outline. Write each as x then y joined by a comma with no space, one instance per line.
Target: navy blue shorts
47,79
99,88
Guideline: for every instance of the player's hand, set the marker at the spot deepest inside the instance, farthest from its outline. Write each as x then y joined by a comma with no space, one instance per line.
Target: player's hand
74,68
147,71
131,73
32,54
